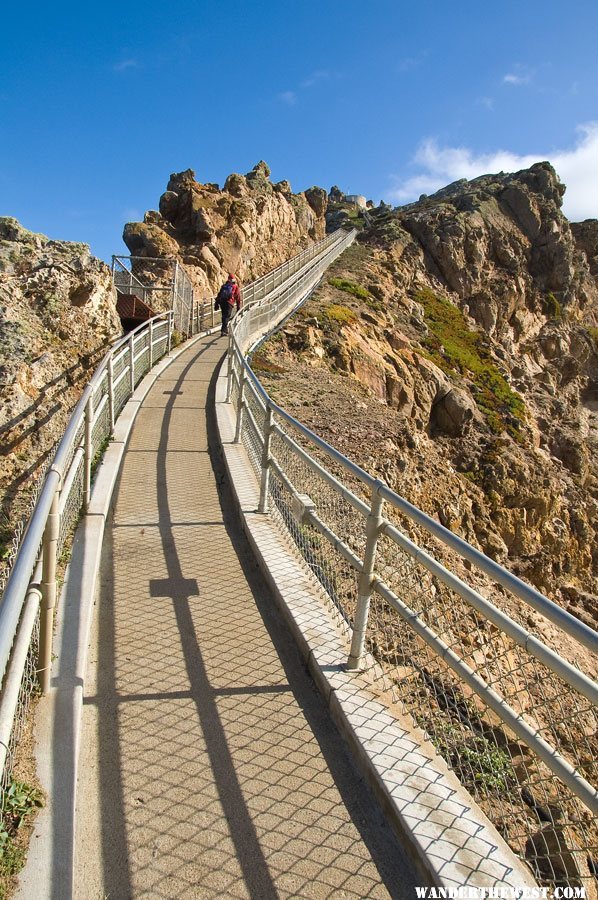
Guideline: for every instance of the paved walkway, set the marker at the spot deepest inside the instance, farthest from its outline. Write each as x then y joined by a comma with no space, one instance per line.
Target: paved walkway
210,767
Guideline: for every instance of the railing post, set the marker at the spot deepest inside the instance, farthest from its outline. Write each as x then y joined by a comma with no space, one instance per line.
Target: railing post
111,392
240,405
374,522
48,602
170,316
175,297
229,373
132,362
213,312
265,480
151,343
87,452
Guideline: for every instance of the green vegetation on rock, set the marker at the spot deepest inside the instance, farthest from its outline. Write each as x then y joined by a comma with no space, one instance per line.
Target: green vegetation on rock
349,287
342,315
593,332
480,765
18,803
455,347
551,306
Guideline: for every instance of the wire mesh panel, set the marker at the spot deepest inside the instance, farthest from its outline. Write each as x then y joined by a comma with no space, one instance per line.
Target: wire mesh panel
469,679
142,355
160,345
537,814
121,380
100,433
124,279
253,427
333,573
332,570
28,691
72,499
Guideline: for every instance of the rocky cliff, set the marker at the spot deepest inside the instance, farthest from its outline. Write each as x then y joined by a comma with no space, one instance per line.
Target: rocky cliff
456,345
248,227
57,316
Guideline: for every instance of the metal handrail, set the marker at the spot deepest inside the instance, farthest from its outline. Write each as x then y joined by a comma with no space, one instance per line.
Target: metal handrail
19,578
247,331
32,579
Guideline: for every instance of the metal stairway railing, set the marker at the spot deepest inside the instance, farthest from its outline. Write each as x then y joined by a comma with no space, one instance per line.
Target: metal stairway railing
516,719
29,597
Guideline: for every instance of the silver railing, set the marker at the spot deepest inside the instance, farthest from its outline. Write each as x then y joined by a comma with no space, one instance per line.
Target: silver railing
29,597
513,713
38,554
165,282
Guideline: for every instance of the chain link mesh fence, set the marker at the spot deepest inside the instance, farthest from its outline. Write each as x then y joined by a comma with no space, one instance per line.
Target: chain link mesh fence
71,505
539,816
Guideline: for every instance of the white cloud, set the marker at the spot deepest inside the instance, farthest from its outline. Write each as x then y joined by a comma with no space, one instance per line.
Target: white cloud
518,76
288,97
124,65
512,78
577,167
315,77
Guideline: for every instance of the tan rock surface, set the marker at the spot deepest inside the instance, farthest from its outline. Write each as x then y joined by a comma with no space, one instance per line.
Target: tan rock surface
57,317
248,227
500,261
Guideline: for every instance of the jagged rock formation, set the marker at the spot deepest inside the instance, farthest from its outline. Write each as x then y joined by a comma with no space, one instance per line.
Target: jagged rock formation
248,227
586,238
57,316
463,324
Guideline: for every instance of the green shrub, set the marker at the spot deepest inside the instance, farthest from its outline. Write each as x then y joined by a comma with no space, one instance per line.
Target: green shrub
551,306
340,314
479,764
18,802
454,347
349,287
593,332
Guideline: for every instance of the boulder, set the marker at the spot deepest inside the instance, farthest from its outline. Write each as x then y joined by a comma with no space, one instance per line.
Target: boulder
169,205
453,413
555,854
317,199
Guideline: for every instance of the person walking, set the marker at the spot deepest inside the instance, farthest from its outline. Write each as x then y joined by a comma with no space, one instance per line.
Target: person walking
229,295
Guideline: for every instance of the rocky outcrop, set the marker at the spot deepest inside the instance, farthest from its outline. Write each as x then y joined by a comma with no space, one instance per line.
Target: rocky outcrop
248,227
464,323
57,316
586,238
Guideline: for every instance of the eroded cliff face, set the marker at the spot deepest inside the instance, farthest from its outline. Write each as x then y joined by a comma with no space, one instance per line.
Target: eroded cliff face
248,227
57,317
453,351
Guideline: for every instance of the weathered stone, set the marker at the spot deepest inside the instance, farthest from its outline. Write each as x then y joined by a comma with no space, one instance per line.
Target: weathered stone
453,413
554,852
57,317
236,185
169,205
181,181
317,199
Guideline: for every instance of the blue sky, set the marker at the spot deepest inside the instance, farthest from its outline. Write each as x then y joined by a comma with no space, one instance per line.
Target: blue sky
100,103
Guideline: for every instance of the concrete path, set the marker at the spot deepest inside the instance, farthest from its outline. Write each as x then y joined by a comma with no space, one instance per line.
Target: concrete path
210,766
